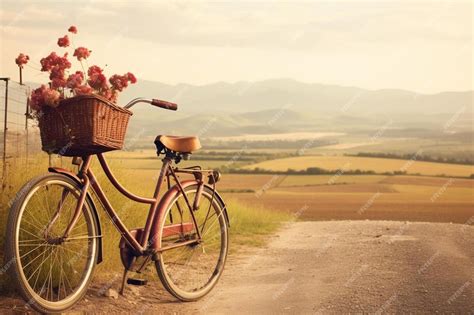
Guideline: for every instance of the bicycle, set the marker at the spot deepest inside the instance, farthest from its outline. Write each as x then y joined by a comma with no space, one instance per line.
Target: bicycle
54,238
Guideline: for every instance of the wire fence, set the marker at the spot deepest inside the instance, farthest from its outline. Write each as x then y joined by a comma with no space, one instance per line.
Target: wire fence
19,133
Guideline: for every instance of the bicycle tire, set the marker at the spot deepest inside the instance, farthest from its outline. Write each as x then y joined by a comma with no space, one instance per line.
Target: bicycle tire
12,253
161,264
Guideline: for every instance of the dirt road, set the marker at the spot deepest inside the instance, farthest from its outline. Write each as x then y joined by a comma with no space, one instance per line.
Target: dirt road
328,267
354,266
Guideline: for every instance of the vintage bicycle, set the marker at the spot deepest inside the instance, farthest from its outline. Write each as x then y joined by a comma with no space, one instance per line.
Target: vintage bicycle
54,239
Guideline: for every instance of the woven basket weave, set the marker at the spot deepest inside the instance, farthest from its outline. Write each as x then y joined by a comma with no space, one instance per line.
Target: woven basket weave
83,125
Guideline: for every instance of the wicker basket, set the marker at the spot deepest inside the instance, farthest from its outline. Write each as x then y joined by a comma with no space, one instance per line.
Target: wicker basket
83,125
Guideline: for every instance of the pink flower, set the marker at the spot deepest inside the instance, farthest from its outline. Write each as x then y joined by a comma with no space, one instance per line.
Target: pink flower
56,72
49,62
51,97
73,29
58,83
81,53
94,70
57,76
63,41
63,62
131,77
98,81
75,80
37,99
82,90
21,60
53,60
119,82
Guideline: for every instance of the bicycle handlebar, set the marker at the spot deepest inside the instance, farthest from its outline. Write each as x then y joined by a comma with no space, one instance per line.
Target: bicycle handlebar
164,104
154,102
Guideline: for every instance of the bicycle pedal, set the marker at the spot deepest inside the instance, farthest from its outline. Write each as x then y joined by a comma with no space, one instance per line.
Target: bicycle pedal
137,281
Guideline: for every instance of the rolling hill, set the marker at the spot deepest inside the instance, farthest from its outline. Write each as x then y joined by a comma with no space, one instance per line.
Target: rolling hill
298,96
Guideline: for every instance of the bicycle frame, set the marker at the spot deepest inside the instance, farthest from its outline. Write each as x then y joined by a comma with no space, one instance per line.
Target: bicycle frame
150,240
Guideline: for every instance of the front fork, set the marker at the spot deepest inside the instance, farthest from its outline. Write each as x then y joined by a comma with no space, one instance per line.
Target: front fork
78,209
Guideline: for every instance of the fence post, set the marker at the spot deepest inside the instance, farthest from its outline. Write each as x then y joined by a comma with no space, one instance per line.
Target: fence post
27,115
5,129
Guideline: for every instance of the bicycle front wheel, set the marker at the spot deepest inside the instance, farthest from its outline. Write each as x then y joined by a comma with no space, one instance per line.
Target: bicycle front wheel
190,272
51,275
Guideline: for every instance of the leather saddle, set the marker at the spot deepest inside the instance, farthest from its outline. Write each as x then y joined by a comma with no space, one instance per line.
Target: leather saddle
179,144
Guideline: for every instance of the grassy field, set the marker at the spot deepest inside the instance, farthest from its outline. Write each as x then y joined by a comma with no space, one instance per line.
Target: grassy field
379,165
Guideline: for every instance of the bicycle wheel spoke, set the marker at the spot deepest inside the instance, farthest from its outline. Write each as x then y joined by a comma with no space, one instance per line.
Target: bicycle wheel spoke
28,232
181,254
60,277
49,279
76,253
34,225
32,250
48,208
39,266
40,205
203,225
214,222
207,216
67,280
78,226
38,241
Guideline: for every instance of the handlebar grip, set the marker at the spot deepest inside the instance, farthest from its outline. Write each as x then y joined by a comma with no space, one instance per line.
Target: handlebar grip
164,104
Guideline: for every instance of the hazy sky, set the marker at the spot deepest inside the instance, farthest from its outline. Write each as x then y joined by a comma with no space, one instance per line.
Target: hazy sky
423,46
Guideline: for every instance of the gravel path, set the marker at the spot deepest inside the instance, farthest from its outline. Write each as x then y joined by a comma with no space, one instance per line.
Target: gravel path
354,266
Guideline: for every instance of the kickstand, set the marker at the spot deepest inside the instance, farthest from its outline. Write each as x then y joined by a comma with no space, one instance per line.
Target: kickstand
125,271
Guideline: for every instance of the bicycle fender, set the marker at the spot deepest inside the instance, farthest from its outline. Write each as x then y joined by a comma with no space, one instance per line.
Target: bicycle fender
74,177
155,232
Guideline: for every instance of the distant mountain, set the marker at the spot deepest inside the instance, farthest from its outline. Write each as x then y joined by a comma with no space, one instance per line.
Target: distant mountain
284,105
312,98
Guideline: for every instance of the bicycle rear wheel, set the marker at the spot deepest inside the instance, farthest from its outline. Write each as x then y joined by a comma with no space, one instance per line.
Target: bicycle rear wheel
51,275
190,272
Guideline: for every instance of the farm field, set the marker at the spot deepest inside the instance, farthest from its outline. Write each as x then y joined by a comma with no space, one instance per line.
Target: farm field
290,136
344,197
374,198
379,165
332,197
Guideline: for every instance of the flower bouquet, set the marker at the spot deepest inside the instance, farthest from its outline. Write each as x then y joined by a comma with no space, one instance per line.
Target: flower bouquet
77,111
